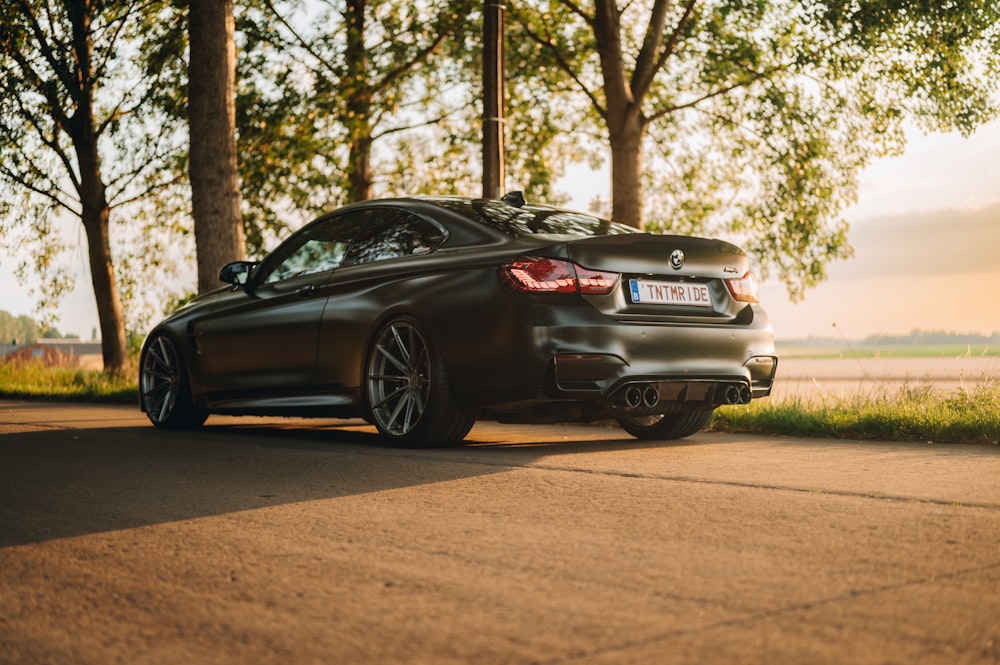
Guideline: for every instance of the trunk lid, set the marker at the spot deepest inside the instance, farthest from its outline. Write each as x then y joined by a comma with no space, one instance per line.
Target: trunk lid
665,278
651,255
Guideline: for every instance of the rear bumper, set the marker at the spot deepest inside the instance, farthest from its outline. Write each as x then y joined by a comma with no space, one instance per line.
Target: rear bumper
588,376
603,357
595,359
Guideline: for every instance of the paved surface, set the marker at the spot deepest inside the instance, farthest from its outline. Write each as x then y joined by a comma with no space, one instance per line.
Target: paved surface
283,541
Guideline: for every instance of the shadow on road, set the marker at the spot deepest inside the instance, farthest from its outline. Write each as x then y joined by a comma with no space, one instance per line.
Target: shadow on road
72,481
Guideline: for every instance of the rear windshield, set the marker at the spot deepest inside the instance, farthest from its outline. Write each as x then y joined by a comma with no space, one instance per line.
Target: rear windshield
533,220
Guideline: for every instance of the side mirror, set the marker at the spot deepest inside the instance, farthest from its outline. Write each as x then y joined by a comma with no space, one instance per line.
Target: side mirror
236,273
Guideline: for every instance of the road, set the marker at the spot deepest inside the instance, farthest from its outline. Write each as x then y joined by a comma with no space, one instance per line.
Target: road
287,541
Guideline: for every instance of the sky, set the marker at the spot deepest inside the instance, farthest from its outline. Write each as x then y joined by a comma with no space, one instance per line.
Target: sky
925,229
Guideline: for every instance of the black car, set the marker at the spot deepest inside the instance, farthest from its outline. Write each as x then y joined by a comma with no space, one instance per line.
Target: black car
424,314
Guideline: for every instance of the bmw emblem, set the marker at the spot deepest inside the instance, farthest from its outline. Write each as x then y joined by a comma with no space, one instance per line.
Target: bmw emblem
676,259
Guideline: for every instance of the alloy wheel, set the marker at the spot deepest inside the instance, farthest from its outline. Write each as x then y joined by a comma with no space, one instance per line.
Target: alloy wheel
399,378
160,379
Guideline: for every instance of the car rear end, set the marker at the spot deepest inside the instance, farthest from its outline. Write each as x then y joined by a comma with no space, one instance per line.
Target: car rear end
675,322
612,322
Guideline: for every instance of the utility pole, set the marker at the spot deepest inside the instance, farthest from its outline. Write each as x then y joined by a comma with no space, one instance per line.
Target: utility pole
493,66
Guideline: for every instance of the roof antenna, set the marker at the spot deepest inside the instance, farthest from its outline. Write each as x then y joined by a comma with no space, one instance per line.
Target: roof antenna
515,198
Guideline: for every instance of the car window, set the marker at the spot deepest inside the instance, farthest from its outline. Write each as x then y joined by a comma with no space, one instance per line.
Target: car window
387,233
351,238
312,257
533,220
317,248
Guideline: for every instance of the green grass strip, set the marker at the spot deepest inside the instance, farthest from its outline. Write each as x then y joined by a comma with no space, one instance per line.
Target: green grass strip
969,415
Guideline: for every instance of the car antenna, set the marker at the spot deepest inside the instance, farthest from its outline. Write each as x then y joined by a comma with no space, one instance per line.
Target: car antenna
515,198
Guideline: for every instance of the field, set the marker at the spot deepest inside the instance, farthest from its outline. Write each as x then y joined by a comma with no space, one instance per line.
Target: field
807,377
874,350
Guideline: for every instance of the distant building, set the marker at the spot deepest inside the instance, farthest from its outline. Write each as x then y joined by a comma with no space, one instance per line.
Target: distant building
56,352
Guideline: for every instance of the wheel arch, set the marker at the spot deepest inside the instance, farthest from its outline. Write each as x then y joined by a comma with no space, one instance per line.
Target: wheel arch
416,405
398,311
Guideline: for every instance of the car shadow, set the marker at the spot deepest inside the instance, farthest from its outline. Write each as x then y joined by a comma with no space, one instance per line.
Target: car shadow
65,482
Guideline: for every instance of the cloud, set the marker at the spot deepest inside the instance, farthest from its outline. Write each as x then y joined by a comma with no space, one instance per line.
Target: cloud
938,242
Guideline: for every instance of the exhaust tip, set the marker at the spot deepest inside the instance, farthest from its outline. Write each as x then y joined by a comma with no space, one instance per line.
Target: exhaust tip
650,396
736,393
633,396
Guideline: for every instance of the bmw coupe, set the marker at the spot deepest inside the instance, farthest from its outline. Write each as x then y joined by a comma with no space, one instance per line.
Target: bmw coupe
424,314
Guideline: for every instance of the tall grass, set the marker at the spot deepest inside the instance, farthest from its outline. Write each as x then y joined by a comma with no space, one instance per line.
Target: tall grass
923,413
37,380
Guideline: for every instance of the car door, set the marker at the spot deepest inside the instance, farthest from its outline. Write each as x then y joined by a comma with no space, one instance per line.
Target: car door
265,342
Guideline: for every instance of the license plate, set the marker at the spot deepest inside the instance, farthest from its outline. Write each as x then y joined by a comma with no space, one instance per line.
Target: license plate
669,293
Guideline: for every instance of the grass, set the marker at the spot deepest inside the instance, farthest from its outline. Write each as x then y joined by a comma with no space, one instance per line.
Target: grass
969,415
922,413
36,380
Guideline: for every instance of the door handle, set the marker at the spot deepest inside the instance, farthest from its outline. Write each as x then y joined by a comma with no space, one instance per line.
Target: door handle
306,291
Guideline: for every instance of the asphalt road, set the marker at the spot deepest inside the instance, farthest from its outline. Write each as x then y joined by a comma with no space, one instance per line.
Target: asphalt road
285,541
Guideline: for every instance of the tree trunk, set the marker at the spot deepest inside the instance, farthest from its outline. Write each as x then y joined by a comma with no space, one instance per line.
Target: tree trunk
96,223
625,137
623,116
93,199
360,170
215,183
358,96
493,99
114,347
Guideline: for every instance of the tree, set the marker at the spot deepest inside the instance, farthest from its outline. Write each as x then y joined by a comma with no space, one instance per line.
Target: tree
17,330
339,77
758,115
318,128
215,184
76,136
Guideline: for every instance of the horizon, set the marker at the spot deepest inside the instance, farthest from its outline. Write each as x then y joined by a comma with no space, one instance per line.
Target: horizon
961,337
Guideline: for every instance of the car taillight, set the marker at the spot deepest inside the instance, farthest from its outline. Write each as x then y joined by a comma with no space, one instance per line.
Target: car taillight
744,289
596,282
542,275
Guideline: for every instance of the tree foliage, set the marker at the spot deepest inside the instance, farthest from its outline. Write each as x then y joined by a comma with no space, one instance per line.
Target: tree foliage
17,329
340,101
79,138
754,118
748,118
322,85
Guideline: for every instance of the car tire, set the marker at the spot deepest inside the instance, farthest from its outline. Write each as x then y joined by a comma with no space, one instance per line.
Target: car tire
407,392
164,388
667,426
